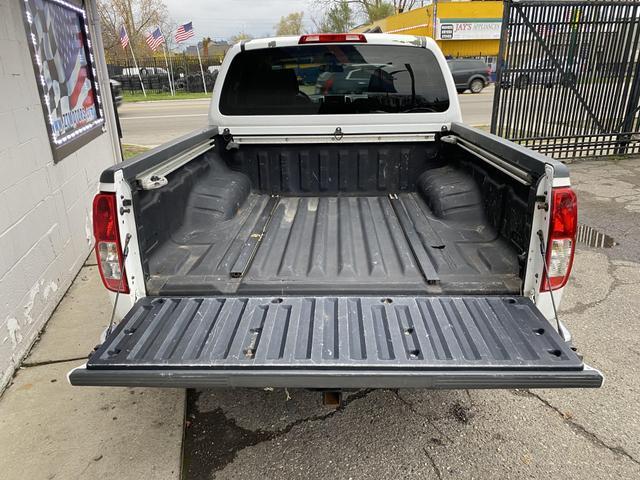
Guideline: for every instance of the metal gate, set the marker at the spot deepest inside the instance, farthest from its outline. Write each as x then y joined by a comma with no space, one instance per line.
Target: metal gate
568,78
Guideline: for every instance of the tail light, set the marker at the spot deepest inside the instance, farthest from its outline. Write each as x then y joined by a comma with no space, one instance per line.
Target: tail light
332,38
562,237
108,248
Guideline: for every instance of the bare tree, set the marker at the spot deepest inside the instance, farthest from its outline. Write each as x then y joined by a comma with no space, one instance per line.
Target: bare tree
291,24
378,9
404,5
137,16
168,28
338,18
372,10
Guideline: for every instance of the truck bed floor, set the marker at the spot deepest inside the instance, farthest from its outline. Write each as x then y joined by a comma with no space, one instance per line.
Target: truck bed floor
356,244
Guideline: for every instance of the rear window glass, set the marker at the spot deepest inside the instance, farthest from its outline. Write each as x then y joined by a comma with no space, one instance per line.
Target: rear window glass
334,79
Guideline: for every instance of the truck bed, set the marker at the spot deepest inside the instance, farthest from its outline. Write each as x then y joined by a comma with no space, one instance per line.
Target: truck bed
237,238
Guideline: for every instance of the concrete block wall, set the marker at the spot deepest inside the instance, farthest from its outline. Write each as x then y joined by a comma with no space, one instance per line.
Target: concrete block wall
45,208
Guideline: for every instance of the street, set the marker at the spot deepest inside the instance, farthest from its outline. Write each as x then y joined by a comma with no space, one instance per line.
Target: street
152,123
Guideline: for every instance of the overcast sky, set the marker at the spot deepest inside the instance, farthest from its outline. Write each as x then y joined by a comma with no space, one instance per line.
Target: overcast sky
224,18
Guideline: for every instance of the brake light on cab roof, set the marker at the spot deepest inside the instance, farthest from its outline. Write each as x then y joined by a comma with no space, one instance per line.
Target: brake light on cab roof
332,38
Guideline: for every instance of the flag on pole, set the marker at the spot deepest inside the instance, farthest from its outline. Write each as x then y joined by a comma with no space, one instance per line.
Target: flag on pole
124,38
155,39
184,32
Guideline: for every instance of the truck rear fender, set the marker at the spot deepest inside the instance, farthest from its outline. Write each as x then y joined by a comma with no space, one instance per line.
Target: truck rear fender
541,220
127,226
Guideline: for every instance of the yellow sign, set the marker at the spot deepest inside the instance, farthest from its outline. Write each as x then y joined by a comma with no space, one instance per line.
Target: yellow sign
462,29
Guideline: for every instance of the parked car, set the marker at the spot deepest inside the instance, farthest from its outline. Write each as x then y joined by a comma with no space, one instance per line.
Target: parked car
356,239
116,91
470,74
353,79
542,72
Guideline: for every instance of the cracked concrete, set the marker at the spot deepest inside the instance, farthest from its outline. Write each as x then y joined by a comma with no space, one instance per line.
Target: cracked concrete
602,308
203,457
477,434
70,331
419,434
49,429
583,431
621,183
606,329
609,200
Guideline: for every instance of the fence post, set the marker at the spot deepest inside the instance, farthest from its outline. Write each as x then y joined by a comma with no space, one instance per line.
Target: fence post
630,112
504,33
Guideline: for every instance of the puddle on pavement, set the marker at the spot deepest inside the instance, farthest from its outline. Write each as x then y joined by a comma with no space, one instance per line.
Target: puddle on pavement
211,440
594,238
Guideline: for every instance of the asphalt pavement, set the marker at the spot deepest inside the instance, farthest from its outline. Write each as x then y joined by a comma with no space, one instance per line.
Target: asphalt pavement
152,123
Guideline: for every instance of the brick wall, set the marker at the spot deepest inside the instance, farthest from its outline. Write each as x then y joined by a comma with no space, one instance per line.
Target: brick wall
45,223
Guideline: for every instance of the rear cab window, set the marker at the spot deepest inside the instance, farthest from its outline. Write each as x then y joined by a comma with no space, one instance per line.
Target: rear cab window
334,79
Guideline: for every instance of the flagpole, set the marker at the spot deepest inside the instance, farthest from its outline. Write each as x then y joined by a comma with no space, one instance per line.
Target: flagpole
173,84
173,80
137,70
204,83
166,62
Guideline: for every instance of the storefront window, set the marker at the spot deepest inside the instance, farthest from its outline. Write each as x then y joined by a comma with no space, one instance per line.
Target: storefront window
63,63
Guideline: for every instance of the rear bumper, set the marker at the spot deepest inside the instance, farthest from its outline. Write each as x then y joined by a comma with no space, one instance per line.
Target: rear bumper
334,379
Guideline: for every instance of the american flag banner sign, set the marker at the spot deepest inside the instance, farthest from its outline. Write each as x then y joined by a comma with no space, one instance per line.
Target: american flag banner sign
155,39
124,37
61,45
184,32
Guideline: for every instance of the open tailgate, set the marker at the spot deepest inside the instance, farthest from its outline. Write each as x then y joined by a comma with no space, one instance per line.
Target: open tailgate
335,342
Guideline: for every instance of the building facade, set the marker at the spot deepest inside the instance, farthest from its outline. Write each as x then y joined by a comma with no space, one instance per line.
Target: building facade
56,136
461,28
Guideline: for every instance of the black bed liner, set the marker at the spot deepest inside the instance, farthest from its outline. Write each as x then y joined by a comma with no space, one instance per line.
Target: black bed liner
336,342
311,244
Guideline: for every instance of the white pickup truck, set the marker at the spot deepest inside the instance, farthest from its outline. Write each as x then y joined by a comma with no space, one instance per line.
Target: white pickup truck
336,226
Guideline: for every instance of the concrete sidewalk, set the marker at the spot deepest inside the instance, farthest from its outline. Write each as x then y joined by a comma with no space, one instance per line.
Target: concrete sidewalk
49,429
